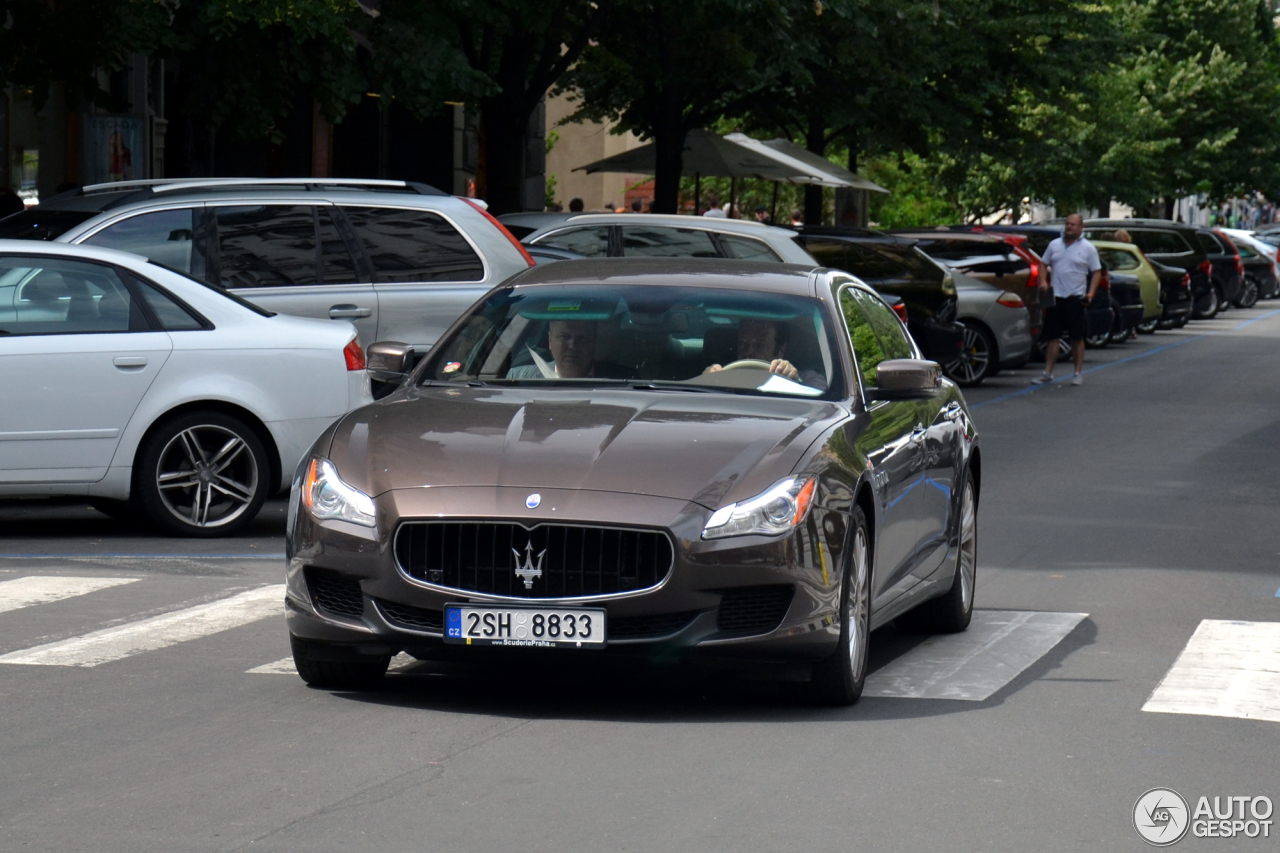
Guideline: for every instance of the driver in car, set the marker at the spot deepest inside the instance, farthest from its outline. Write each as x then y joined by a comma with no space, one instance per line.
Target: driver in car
766,341
573,354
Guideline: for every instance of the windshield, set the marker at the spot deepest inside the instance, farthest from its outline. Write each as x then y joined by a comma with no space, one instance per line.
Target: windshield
38,224
680,338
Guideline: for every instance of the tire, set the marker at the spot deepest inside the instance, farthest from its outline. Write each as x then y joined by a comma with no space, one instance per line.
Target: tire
1098,341
951,612
202,474
980,360
1148,327
1064,349
839,679
336,674
1215,305
1248,294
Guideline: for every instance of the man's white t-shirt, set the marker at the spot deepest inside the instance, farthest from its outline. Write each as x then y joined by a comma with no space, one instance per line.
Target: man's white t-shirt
1072,265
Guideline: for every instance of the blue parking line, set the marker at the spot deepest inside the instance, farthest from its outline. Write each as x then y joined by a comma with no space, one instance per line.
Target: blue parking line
1031,389
1278,593
88,555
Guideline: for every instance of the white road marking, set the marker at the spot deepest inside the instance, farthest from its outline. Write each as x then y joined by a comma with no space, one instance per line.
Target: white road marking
976,663
157,632
1228,669
40,589
285,666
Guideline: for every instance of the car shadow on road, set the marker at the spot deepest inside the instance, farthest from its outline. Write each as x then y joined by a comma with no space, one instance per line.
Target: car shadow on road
665,692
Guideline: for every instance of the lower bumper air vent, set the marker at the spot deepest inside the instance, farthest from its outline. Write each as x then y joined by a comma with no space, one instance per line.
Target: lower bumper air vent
750,610
334,594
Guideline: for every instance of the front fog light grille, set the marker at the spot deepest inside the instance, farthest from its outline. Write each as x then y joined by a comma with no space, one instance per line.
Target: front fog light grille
334,594
750,610
412,618
649,627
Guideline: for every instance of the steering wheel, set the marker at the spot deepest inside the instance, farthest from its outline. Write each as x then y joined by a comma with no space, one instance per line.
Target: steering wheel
742,363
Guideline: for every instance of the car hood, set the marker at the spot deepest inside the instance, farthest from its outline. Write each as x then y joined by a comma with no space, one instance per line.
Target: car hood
707,448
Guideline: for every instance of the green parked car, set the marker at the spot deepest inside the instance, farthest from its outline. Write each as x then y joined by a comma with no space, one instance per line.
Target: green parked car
1128,259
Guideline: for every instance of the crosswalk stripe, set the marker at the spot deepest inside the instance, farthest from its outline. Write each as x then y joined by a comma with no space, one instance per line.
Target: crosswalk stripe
1227,669
157,632
973,665
41,589
285,666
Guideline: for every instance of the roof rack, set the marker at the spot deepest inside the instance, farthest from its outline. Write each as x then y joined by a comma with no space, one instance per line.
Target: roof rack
159,185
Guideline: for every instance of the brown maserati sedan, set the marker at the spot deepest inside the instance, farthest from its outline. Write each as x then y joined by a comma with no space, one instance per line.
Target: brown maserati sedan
704,458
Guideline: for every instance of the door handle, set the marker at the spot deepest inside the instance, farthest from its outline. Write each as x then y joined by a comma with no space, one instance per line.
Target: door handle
952,411
917,434
348,312
129,362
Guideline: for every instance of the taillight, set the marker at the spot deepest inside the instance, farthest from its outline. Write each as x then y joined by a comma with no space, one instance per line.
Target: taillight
1186,281
1104,283
528,259
1033,280
354,355
1011,300
901,311
1207,269
1239,265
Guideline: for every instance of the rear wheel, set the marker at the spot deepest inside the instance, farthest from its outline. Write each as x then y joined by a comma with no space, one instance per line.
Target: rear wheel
977,361
952,612
1213,304
839,679
1248,294
1148,327
202,474
310,661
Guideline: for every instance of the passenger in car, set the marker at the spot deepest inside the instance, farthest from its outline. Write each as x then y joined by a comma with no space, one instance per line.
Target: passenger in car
573,355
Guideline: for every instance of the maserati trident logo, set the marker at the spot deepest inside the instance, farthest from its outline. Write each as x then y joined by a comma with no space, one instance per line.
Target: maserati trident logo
528,571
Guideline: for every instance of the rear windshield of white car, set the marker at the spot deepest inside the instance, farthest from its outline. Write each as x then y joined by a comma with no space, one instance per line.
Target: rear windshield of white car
652,337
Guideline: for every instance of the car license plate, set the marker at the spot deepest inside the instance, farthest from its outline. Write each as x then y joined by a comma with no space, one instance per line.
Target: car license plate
540,627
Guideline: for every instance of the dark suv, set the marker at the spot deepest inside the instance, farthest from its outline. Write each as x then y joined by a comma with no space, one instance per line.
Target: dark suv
895,267
1170,243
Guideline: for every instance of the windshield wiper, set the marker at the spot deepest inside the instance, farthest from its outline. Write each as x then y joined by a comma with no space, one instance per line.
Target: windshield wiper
673,385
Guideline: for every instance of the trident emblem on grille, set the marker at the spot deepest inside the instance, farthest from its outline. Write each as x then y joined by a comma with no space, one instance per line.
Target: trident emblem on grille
528,571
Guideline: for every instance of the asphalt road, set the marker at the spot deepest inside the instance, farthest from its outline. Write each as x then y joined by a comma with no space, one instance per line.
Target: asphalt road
1146,499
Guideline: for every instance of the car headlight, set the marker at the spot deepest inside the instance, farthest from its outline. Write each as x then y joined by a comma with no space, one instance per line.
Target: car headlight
326,496
769,513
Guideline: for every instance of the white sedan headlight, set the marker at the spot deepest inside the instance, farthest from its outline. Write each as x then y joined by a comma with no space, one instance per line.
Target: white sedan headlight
326,496
777,510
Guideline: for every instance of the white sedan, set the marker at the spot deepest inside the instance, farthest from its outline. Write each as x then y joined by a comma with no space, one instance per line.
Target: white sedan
143,389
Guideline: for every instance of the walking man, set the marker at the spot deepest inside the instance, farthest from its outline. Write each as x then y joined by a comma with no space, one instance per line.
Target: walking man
1074,272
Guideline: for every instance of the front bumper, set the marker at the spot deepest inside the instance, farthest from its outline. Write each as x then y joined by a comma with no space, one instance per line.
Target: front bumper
696,610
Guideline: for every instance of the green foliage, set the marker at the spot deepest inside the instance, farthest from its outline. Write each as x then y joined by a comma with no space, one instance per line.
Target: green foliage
914,198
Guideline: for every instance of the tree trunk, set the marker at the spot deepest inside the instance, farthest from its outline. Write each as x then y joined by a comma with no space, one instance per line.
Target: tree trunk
505,129
1168,207
815,141
668,143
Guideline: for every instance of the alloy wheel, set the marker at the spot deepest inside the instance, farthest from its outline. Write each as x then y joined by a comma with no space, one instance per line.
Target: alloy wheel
207,476
968,548
972,365
858,606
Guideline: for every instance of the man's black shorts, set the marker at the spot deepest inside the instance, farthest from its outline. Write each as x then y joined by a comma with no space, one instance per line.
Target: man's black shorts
1066,315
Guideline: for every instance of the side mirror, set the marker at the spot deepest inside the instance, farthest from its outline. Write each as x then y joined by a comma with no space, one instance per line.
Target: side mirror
907,379
388,361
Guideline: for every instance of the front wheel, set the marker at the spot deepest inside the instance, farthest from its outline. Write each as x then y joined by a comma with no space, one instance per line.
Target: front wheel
202,474
839,679
317,671
1148,327
952,612
977,361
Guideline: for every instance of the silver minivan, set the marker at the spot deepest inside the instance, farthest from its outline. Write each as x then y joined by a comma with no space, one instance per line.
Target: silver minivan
400,260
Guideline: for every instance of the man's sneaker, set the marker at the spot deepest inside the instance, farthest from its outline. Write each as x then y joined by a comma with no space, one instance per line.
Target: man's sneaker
1077,379
1042,379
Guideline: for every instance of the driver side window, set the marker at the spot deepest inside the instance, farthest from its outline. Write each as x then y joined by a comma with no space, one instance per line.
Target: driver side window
874,332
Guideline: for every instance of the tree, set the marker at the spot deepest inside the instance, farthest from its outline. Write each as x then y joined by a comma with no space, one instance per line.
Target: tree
664,67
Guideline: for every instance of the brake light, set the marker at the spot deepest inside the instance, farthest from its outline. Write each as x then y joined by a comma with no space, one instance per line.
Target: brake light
1239,263
1011,300
354,355
505,233
1033,280
1104,283
1186,281
901,311
1207,269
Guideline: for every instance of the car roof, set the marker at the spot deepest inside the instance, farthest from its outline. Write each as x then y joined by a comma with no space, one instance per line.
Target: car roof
768,276
100,197
934,234
710,223
1141,223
